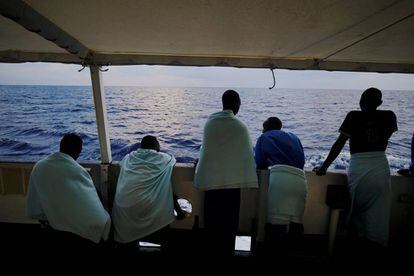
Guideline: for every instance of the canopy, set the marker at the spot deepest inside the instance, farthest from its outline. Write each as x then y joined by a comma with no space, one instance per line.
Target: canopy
352,35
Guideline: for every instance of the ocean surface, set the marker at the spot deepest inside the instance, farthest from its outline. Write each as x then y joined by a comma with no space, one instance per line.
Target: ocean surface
34,118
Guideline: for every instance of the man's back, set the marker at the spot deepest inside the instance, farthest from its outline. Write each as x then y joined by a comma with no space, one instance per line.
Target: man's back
226,158
139,172
220,130
144,196
62,192
369,131
277,147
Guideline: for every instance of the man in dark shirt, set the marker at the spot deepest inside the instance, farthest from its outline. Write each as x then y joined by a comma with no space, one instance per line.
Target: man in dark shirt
369,131
368,175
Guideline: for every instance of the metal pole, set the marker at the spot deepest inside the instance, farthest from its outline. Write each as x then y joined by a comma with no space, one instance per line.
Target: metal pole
100,111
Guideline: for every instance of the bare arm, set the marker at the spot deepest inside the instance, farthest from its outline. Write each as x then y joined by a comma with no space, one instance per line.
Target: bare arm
333,154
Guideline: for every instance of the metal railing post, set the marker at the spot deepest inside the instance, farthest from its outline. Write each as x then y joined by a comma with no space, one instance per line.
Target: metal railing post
100,111
103,133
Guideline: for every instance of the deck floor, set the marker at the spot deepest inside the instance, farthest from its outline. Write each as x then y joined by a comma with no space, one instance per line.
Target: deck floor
23,240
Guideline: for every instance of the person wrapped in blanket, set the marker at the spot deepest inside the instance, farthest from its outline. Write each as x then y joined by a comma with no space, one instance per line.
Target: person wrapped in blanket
144,202
226,166
63,197
369,178
282,153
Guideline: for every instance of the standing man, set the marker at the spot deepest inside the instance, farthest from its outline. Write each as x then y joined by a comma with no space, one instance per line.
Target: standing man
369,179
226,165
282,153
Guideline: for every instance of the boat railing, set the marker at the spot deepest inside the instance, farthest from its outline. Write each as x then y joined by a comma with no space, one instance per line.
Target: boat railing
326,199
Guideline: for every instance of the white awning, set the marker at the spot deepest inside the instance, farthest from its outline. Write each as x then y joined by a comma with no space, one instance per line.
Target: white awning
352,35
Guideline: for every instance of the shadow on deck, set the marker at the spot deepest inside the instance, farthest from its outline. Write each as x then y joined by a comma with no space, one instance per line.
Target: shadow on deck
31,240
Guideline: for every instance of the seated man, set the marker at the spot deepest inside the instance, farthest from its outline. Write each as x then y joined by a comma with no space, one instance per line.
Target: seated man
144,200
283,153
62,194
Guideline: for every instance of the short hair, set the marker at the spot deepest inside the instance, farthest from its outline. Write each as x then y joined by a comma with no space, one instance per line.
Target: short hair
71,143
272,123
371,98
150,142
230,98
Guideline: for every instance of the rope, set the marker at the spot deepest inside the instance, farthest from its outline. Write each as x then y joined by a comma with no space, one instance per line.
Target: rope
84,65
274,80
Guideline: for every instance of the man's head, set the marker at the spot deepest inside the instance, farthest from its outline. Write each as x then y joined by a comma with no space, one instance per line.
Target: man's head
71,144
231,100
150,142
370,99
272,123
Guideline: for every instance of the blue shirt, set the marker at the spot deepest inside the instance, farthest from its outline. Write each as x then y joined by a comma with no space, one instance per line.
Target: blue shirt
277,147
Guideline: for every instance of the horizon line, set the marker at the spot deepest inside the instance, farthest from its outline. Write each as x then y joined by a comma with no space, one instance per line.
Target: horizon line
227,87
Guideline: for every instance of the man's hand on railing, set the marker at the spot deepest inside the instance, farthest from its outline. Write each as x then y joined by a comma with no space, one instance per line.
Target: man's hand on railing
319,170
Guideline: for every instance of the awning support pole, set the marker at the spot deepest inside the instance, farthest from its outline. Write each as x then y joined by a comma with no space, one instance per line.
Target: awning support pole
100,111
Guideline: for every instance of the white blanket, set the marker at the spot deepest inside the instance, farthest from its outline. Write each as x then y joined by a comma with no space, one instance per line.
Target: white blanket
226,156
144,196
286,197
369,187
62,192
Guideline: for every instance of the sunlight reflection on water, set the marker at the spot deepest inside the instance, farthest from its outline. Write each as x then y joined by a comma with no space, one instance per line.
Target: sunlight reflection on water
35,117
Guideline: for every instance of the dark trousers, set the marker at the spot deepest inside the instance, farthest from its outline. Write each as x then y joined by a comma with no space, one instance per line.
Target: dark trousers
61,242
221,220
280,241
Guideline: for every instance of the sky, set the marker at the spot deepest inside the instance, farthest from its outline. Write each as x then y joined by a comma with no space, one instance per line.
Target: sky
177,76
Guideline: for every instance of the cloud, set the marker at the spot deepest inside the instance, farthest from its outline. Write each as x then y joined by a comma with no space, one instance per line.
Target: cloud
144,75
43,74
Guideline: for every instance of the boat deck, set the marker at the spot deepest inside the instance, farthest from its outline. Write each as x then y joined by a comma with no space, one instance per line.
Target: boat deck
324,241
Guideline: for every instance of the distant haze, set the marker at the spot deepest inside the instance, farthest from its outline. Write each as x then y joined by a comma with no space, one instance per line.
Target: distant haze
177,76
